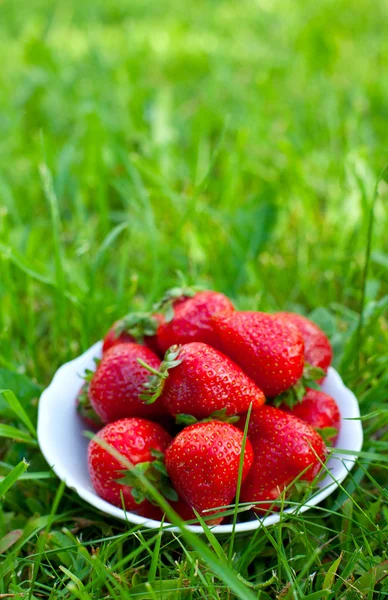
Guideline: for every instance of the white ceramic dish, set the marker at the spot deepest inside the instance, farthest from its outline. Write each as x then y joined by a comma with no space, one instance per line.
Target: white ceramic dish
61,439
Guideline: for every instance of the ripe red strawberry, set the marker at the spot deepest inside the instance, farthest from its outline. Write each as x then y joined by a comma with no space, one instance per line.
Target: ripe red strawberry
200,380
203,462
140,441
85,409
266,347
134,328
284,448
188,317
318,410
118,382
317,348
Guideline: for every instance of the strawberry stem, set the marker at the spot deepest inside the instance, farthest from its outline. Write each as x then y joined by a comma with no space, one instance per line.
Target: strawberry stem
153,388
149,368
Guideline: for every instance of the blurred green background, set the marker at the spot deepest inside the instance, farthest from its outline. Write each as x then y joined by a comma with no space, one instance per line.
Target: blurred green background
237,145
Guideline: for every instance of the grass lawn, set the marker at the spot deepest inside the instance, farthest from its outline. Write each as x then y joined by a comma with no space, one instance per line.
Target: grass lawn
238,143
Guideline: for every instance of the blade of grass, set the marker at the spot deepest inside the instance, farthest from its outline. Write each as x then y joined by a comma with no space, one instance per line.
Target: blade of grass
155,558
215,544
83,595
43,538
239,480
368,250
10,254
19,411
48,188
7,431
12,477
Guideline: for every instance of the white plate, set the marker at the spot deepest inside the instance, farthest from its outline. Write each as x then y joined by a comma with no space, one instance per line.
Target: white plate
63,444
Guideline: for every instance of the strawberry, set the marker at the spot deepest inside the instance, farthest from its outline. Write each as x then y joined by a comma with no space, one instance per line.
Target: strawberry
203,463
134,327
284,448
116,385
197,380
320,411
141,442
317,348
188,317
266,347
85,410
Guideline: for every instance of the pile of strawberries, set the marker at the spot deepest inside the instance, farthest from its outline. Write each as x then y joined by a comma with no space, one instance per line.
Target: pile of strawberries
173,392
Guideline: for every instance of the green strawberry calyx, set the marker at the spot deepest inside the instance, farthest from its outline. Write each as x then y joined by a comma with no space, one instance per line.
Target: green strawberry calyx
137,324
327,434
295,394
153,388
217,415
311,375
89,374
156,473
84,407
165,306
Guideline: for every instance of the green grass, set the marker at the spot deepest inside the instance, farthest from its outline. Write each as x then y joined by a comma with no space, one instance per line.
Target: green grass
238,143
